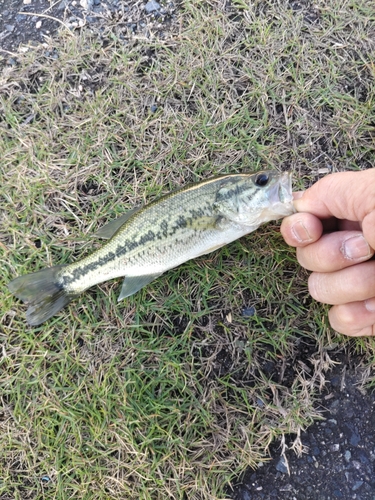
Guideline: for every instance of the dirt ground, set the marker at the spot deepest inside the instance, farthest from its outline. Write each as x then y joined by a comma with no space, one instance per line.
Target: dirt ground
338,459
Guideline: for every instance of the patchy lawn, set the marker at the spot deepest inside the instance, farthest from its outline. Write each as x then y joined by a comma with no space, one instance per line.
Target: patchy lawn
175,391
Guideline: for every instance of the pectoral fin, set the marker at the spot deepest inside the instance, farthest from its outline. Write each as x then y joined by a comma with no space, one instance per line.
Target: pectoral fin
108,230
132,284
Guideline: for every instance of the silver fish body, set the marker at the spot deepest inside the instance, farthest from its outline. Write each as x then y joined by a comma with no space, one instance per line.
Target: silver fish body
145,243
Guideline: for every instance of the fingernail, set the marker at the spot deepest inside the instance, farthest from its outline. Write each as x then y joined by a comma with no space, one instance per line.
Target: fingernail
300,232
355,248
370,305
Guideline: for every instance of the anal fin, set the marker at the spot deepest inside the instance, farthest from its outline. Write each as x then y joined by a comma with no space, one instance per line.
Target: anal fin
132,284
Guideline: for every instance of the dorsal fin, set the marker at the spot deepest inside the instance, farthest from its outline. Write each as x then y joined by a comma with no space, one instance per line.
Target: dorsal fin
108,230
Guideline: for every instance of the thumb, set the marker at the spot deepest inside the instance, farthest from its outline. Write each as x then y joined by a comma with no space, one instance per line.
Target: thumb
344,195
368,228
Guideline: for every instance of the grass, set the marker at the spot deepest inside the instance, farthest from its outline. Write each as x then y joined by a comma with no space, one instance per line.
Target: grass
173,392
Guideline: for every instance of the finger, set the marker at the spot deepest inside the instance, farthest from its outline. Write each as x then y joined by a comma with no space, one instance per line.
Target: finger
301,229
368,225
335,251
347,285
353,319
344,195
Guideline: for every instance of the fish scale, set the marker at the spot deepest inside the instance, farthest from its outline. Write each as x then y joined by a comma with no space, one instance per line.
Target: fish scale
149,241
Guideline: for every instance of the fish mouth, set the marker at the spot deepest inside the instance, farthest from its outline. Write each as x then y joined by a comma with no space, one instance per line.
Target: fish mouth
281,196
285,188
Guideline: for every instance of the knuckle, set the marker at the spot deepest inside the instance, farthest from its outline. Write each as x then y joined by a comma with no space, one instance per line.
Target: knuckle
344,318
306,258
317,287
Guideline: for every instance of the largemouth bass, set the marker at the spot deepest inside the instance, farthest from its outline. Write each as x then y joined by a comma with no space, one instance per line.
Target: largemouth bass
146,242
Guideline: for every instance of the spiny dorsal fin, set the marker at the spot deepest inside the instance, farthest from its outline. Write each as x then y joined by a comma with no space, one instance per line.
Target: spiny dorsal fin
108,230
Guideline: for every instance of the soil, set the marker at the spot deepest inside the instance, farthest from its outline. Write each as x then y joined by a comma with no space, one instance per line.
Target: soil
338,461
24,24
339,451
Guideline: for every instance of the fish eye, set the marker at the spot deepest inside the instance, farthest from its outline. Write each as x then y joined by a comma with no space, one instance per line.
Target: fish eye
261,180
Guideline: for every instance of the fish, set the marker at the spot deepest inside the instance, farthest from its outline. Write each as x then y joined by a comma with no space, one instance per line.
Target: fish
146,242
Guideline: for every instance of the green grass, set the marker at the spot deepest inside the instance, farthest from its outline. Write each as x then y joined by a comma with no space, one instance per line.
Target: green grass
171,393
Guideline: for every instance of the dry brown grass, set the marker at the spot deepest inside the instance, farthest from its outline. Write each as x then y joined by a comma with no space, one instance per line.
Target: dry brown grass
173,392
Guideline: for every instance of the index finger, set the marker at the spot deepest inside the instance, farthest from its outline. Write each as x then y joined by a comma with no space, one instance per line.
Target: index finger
299,230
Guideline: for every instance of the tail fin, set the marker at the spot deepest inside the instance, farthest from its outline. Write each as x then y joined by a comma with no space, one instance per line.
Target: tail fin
43,293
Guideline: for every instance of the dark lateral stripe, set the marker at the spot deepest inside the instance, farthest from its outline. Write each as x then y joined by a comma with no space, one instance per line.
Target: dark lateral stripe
122,249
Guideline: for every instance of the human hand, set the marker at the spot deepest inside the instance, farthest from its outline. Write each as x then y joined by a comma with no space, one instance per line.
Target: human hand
334,232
